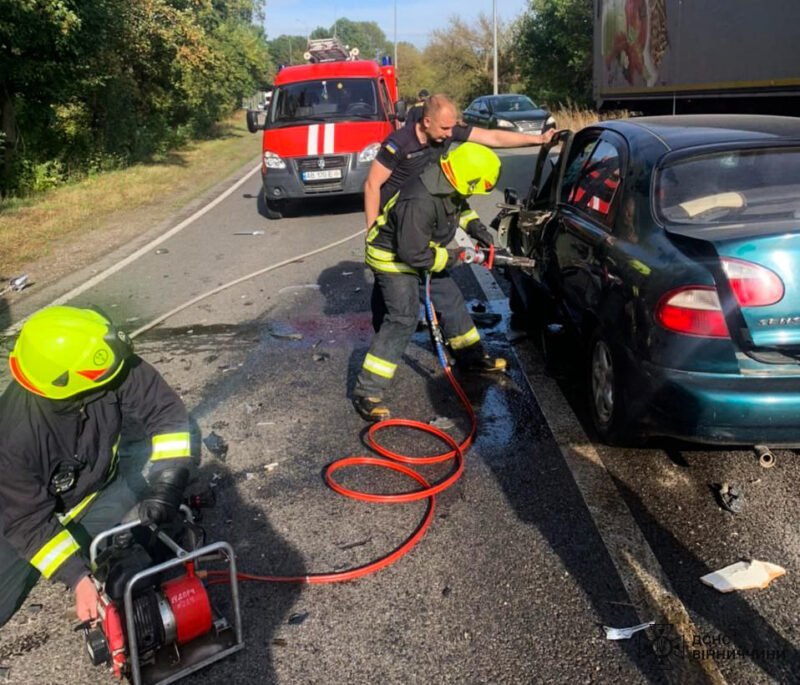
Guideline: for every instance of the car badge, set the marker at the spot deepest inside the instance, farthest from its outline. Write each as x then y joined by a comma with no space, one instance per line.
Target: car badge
321,162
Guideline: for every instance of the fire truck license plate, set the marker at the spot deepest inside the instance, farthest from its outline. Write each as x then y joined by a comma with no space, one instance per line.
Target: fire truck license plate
320,175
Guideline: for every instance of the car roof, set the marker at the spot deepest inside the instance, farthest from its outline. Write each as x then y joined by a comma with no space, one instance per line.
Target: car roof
322,70
688,130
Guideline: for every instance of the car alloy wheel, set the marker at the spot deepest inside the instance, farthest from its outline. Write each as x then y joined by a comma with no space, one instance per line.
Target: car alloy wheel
603,388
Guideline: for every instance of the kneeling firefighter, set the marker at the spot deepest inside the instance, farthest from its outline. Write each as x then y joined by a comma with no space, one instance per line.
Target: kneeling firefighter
409,238
75,379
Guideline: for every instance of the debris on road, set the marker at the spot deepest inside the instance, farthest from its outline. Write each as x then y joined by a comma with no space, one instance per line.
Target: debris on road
321,356
298,618
442,423
216,445
730,497
162,250
744,575
283,331
249,233
305,286
625,633
269,467
17,284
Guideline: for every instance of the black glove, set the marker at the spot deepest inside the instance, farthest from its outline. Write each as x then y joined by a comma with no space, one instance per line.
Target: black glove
162,500
478,231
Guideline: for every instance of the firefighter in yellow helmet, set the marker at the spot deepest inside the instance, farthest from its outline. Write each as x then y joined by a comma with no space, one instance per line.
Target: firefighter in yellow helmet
75,378
409,238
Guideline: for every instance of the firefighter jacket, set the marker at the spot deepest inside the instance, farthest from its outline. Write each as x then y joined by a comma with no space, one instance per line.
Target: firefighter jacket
56,455
417,223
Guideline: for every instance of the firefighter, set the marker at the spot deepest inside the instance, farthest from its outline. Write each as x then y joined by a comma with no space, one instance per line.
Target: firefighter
408,239
408,150
414,113
75,378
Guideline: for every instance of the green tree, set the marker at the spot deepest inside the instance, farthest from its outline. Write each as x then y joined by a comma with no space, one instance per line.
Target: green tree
414,72
367,36
554,51
287,49
462,59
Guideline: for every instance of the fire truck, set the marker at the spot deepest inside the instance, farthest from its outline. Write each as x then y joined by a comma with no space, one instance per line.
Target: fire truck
324,125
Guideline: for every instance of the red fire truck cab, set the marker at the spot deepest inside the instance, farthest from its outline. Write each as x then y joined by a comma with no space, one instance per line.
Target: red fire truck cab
324,126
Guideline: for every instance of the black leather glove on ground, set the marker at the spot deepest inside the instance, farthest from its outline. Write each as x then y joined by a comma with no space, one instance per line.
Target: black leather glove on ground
482,234
162,500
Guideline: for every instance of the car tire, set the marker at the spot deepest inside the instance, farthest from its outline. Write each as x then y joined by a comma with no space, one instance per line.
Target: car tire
605,394
271,209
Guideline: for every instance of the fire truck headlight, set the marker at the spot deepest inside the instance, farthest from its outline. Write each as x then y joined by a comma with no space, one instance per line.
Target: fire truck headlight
273,161
369,153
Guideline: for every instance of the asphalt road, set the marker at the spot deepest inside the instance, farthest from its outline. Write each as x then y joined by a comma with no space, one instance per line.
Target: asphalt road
546,537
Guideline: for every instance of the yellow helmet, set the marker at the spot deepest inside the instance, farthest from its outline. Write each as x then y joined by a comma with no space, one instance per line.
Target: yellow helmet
64,351
471,168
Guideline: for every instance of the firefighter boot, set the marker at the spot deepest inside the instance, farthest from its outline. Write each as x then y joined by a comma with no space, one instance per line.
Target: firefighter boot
371,408
482,362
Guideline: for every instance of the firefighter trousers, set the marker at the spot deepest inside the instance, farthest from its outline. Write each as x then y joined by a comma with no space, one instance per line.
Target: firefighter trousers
400,295
17,576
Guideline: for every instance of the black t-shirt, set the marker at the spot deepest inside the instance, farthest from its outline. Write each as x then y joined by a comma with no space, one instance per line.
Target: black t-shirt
407,157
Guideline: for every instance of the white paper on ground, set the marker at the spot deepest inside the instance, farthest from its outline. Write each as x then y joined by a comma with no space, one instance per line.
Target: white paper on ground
744,575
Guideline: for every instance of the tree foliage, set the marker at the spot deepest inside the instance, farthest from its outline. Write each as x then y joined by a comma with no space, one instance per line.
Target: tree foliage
553,48
461,58
98,83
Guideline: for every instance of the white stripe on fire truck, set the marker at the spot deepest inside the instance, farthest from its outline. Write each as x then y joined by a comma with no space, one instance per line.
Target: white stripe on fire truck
328,140
313,138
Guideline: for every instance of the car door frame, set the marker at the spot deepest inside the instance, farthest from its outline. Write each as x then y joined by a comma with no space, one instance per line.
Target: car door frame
581,231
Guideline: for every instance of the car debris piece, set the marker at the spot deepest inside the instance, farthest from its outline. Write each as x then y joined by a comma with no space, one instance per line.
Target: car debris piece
625,633
162,250
730,497
744,575
17,284
249,233
321,356
283,331
216,445
297,618
442,423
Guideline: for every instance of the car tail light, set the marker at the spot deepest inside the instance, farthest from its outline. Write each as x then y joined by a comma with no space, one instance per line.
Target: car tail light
693,310
752,284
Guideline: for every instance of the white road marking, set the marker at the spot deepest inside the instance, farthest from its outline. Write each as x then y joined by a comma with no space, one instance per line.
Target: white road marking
643,577
103,275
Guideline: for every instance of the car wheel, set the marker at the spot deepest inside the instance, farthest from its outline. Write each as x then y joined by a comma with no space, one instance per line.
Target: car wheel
272,209
604,386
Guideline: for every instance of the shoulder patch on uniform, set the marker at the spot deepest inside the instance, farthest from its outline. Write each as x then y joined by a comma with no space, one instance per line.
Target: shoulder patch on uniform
391,147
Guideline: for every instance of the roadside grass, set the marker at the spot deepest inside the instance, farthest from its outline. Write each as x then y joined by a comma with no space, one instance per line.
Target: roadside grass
34,228
574,118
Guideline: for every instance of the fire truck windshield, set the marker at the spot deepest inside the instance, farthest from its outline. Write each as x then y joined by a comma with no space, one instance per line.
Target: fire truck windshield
325,100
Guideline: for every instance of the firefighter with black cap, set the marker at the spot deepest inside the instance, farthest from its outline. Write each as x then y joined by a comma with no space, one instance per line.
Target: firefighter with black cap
75,378
411,237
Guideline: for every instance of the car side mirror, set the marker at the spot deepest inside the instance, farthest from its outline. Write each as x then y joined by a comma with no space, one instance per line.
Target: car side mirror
253,124
400,110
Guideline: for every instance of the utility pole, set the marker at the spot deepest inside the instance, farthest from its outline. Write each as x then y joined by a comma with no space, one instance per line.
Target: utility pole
395,36
494,42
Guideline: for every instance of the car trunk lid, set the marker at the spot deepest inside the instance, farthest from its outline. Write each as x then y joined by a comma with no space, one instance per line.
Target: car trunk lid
758,279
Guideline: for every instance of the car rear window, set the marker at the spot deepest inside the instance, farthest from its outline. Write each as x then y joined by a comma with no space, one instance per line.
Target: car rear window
741,186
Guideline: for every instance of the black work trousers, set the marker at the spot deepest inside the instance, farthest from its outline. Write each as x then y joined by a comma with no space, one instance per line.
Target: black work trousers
17,576
399,295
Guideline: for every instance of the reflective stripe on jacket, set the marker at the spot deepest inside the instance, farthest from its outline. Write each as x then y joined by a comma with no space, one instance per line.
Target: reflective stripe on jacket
40,438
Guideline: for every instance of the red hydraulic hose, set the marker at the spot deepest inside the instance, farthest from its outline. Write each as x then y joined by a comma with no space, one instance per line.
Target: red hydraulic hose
393,461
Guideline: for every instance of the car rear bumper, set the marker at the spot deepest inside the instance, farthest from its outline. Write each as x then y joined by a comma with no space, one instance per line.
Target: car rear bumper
288,183
721,408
